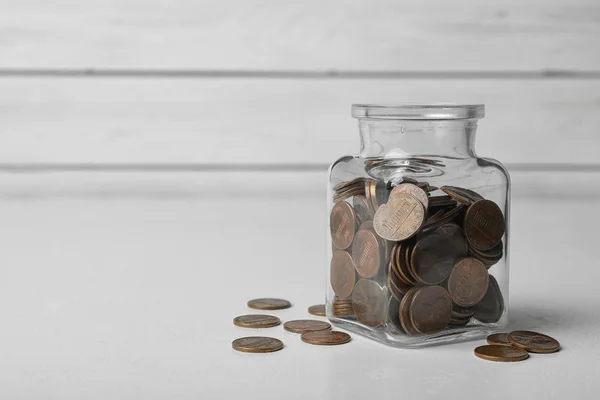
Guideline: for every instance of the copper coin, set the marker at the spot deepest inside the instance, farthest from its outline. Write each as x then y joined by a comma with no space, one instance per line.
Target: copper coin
362,209
305,325
318,310
468,282
325,338
400,218
405,314
484,225
342,225
455,234
256,321
431,309
500,353
342,274
269,304
368,225
447,216
432,259
500,339
345,185
371,194
369,303
414,190
257,344
491,307
366,253
533,342
441,201
462,195
393,312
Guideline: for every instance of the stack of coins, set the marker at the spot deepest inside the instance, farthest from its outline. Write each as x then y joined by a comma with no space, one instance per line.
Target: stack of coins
415,256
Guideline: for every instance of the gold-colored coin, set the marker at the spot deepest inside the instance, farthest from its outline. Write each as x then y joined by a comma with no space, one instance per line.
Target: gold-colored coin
305,325
399,218
318,310
500,353
533,342
256,321
257,344
269,304
500,339
325,338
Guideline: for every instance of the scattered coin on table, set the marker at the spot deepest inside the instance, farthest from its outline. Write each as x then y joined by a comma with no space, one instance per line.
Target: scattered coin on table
533,342
326,338
256,321
257,344
501,353
305,325
269,304
318,310
499,339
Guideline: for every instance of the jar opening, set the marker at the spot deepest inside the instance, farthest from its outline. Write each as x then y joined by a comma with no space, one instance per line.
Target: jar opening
434,111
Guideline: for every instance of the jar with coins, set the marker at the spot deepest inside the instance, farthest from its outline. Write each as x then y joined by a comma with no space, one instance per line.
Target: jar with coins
418,228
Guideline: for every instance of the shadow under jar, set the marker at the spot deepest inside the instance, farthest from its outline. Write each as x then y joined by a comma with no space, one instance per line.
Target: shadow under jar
418,229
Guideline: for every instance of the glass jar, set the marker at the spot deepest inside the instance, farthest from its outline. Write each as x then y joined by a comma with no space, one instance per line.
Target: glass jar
418,229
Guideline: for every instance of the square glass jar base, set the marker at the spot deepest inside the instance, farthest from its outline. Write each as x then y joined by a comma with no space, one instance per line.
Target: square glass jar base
391,336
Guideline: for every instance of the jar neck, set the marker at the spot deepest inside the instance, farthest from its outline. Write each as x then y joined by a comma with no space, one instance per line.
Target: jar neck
395,138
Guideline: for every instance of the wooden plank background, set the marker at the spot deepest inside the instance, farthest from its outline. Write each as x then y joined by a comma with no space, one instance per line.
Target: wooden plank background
262,82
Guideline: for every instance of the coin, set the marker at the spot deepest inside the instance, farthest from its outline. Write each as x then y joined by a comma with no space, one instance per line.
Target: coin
468,282
533,342
368,225
500,353
257,344
369,303
325,338
362,209
366,253
484,225
318,310
431,309
256,321
499,339
432,259
305,325
269,304
462,195
345,185
441,201
400,218
455,234
414,190
342,274
342,307
342,225
405,314
393,312
490,308
440,219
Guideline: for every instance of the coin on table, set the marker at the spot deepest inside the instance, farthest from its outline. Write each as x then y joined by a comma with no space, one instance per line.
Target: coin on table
399,218
366,253
431,309
318,310
468,282
342,274
342,225
491,307
533,342
305,325
269,304
432,259
413,190
369,303
325,338
500,339
257,344
484,225
256,321
493,352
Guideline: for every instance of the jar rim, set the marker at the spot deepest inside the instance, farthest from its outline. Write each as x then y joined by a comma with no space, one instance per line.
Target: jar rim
434,111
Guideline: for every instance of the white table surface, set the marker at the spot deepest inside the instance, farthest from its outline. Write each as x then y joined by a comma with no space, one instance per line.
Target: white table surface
124,286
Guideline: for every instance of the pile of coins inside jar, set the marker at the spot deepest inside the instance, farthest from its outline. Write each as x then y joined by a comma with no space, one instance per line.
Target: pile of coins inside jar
419,261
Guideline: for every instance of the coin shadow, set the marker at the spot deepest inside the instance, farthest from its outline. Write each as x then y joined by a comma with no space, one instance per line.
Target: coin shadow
538,317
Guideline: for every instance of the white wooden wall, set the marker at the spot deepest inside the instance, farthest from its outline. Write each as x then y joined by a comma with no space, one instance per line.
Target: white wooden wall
271,82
